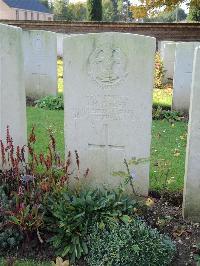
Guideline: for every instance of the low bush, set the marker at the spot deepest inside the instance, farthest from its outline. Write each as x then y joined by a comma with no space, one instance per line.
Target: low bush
159,114
159,72
128,244
75,211
38,203
51,102
26,187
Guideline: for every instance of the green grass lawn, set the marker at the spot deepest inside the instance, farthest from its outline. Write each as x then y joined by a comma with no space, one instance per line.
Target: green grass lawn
168,141
25,263
168,145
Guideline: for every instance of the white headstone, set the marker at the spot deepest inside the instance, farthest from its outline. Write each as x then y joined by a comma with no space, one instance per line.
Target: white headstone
40,55
12,90
60,38
191,207
161,46
108,81
183,75
168,57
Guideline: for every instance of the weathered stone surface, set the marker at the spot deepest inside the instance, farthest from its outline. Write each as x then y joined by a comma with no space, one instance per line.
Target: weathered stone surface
183,75
60,38
191,207
40,56
12,89
168,57
108,80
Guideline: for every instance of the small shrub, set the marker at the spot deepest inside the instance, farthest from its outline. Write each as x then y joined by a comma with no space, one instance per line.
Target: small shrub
128,244
75,211
159,72
159,114
9,238
51,102
26,187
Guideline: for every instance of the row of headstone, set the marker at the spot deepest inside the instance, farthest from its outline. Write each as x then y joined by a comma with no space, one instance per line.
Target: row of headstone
167,53
108,105
40,63
178,66
183,75
191,206
12,86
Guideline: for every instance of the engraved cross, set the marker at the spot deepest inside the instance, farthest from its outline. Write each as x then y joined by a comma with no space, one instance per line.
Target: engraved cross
38,75
106,146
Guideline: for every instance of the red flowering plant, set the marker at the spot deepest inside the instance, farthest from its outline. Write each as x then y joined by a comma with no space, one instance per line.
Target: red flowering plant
29,182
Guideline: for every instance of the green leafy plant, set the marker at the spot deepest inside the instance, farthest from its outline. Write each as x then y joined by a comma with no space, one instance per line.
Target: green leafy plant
159,114
197,254
127,176
51,102
94,8
159,72
75,211
132,243
9,238
26,187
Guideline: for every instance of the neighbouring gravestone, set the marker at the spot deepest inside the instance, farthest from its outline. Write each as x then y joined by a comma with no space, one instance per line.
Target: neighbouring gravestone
108,81
12,90
60,38
183,75
191,206
168,57
40,56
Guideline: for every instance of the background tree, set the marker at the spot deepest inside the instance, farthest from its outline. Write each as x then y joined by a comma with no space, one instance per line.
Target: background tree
94,10
194,13
108,10
148,8
60,10
176,15
76,12
124,11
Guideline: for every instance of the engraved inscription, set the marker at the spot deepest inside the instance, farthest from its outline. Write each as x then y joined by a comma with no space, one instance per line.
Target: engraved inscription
37,42
106,108
109,107
107,65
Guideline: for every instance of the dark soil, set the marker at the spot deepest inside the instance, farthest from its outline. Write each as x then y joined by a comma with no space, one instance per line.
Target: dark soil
166,215
30,101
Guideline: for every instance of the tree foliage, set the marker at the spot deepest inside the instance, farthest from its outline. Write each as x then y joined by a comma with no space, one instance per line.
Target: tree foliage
194,13
94,10
150,8
60,10
177,14
108,10
77,11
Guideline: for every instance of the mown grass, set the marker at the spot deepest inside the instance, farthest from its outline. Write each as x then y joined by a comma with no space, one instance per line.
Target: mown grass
168,144
168,140
3,262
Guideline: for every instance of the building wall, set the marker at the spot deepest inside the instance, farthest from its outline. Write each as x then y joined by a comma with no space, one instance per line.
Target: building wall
161,31
19,14
6,12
